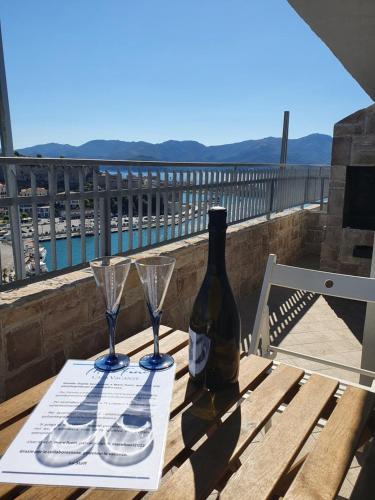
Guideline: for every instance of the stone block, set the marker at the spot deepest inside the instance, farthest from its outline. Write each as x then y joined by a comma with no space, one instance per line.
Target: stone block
132,295
63,311
87,288
2,390
345,129
334,220
338,173
313,219
28,376
186,281
86,347
132,280
364,268
337,185
363,151
61,315
96,327
315,236
341,149
370,124
356,117
368,238
350,269
333,236
354,236
22,315
2,354
58,361
336,202
95,304
132,319
23,345
177,315
328,253
312,249
329,265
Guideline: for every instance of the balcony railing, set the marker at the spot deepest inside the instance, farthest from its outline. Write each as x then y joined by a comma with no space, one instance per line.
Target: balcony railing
68,211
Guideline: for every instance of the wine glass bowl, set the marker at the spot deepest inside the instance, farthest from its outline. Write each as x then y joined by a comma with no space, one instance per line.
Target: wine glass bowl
155,274
110,275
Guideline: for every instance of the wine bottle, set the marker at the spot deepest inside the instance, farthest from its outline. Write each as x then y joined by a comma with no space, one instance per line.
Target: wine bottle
214,329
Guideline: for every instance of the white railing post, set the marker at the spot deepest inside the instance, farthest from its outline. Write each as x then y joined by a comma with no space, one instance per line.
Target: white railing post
271,184
105,219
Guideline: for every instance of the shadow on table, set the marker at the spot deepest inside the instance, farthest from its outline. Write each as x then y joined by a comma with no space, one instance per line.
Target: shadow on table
210,461
128,441
365,484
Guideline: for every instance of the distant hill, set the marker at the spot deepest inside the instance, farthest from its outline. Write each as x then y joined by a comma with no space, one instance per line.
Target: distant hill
314,148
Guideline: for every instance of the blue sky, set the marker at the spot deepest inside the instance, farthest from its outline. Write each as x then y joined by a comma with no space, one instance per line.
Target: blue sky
216,71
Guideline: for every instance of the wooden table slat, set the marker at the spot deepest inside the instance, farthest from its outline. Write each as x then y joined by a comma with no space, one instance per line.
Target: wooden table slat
23,403
265,465
10,491
200,422
185,430
9,433
336,444
50,492
171,343
197,477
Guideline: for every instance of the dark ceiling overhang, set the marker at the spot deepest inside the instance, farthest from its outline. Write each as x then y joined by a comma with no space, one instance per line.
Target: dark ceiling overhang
347,27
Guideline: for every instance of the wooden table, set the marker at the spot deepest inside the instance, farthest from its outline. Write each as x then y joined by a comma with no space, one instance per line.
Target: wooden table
224,453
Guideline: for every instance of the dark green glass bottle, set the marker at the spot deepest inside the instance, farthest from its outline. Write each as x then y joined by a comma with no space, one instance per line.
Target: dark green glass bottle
214,329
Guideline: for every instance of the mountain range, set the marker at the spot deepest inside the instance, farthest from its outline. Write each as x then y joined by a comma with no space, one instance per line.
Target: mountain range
313,148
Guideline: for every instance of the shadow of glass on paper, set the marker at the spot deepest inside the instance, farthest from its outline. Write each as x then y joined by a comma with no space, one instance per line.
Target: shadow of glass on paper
74,437
130,439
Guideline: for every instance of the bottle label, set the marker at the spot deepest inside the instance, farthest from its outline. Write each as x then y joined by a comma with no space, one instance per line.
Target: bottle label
199,350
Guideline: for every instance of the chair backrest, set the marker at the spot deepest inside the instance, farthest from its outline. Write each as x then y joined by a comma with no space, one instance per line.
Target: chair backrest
337,285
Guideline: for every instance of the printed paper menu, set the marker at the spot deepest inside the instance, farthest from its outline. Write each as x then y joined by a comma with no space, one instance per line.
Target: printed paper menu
95,429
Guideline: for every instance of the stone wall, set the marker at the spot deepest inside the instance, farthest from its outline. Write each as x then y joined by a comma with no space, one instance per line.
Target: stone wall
315,232
45,323
353,144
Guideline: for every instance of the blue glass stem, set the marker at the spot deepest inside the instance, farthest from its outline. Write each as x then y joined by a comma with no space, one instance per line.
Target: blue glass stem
112,320
155,321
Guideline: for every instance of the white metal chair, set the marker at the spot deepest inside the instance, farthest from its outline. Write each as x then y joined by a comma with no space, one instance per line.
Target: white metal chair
337,285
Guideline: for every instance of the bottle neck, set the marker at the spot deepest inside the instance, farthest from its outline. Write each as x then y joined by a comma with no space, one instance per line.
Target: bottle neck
216,252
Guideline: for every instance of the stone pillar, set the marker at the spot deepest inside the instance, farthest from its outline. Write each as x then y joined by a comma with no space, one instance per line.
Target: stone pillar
353,145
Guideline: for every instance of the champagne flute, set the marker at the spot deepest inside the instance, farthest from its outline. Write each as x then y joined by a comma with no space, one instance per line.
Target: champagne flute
155,274
110,274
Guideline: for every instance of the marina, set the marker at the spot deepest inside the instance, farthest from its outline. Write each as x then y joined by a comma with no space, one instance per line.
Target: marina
61,240
61,243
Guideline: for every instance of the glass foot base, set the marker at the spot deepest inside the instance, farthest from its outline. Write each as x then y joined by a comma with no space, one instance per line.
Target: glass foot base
156,362
110,363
